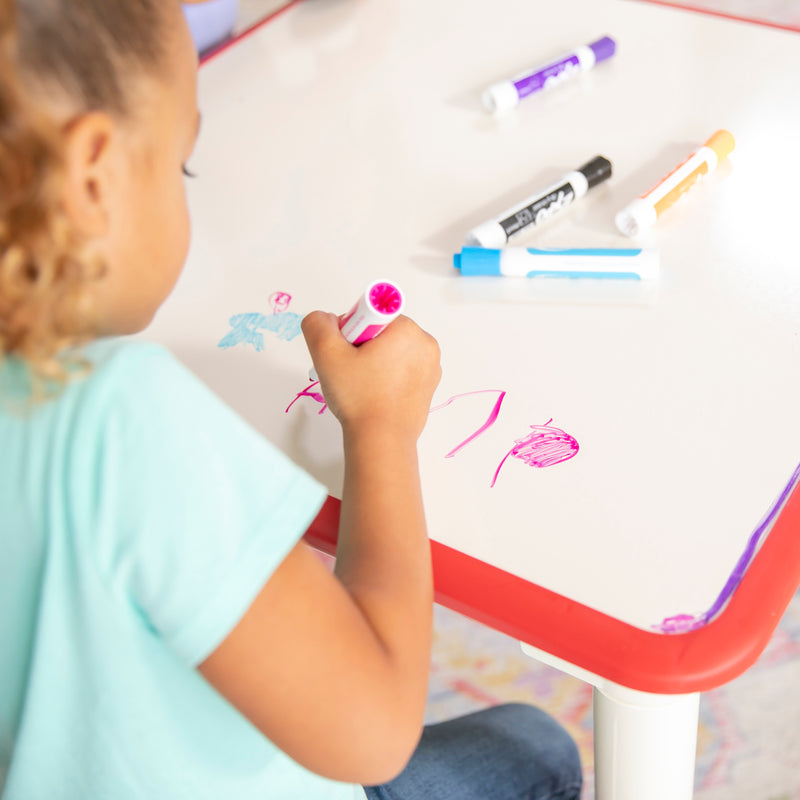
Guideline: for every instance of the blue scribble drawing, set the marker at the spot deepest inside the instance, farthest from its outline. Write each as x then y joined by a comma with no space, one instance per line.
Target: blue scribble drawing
246,328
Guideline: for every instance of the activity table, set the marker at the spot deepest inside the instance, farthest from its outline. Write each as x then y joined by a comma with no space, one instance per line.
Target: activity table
345,141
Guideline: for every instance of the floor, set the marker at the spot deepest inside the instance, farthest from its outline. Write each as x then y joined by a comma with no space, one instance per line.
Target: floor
749,734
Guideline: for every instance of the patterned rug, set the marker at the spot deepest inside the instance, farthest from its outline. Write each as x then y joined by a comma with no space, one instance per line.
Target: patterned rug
749,733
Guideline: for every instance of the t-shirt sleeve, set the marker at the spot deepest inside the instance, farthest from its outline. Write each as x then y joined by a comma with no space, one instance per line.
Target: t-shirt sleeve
193,509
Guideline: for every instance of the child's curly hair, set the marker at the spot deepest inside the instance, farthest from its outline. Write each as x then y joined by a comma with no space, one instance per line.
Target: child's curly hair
81,52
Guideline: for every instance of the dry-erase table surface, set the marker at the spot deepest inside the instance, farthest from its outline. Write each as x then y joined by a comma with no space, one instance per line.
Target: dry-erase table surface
345,141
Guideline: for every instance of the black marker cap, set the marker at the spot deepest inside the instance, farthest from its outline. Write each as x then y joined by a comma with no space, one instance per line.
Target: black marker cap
596,171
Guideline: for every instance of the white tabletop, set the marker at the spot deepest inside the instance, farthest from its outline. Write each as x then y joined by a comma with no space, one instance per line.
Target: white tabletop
251,12
345,142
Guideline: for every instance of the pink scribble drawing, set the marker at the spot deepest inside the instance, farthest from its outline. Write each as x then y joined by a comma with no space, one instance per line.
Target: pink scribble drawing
307,393
545,447
279,302
486,425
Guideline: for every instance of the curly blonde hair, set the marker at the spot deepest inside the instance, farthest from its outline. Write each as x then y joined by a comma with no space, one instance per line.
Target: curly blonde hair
79,51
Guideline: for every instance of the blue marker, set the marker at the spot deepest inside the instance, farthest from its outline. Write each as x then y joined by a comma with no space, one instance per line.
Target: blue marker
531,262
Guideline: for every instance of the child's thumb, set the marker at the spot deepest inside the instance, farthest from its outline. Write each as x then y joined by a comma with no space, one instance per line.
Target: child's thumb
321,330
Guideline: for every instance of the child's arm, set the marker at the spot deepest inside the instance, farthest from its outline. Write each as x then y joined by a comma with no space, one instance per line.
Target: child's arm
334,669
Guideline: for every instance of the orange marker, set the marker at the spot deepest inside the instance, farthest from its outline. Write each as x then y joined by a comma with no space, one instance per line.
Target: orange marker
639,215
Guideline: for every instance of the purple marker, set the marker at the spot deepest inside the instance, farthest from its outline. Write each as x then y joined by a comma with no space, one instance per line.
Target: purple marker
505,95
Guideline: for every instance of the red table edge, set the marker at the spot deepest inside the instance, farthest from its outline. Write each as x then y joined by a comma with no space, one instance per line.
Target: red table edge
222,46
678,663
215,50
724,15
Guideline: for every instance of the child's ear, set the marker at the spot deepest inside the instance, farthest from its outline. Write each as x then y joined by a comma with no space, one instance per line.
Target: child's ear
87,166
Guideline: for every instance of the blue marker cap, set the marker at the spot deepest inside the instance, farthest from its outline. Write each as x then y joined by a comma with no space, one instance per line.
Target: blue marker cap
478,261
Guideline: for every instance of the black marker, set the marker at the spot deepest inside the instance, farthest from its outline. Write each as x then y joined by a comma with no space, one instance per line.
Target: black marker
534,210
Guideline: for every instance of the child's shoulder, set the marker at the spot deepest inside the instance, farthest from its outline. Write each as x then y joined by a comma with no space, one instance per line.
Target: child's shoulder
101,368
105,355
101,376
132,375
107,364
135,393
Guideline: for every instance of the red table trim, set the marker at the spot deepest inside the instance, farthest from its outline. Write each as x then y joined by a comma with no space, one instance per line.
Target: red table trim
228,43
680,663
724,15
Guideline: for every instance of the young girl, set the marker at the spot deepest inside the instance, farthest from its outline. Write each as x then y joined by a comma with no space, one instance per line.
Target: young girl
164,632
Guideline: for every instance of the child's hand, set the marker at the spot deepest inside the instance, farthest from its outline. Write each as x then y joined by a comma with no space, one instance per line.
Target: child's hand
388,380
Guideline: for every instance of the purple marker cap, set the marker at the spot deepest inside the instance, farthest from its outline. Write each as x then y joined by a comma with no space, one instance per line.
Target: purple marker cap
603,48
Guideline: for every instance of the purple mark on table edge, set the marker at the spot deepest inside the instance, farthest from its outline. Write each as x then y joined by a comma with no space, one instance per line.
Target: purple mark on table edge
682,623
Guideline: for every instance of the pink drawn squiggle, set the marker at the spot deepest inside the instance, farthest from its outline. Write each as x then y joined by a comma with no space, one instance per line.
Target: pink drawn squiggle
546,446
279,302
486,425
314,395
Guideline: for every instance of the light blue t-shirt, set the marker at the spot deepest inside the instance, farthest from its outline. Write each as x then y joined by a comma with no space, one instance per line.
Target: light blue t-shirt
139,518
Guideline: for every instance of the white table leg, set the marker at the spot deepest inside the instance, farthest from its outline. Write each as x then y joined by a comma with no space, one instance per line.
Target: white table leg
644,744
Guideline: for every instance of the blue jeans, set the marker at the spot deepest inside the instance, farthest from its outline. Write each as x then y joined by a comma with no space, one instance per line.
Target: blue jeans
509,752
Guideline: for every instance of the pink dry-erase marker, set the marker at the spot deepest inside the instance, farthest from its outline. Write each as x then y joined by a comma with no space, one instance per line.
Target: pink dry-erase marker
380,304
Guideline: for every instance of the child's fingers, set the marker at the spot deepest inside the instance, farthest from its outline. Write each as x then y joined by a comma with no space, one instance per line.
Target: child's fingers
316,324
402,346
321,331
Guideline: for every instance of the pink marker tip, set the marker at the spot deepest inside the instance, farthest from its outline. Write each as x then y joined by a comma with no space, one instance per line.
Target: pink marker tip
385,298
